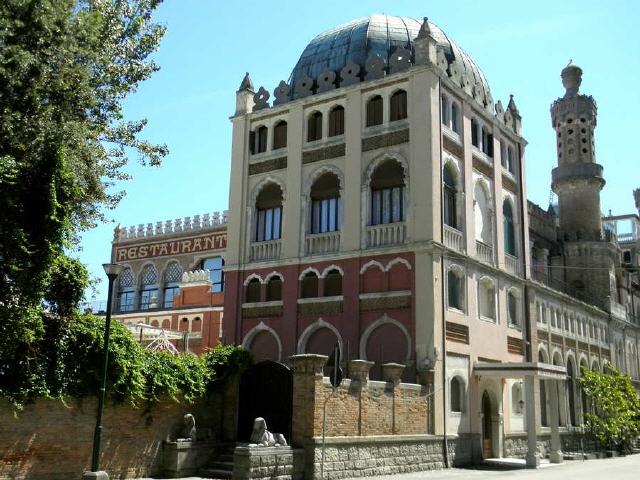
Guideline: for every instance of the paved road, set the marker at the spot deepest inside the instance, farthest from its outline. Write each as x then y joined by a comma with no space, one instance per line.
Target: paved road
624,468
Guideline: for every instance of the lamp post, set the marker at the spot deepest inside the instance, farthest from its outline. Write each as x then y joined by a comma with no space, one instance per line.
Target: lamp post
112,270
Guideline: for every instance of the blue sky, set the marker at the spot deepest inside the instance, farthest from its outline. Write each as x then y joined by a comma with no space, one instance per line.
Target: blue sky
520,46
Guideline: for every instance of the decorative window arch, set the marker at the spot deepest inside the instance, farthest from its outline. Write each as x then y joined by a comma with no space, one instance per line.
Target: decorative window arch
253,290
385,319
251,277
456,288
261,327
397,260
314,126
280,135
172,278
333,266
371,264
332,282
386,181
487,298
268,206
311,329
149,293
513,306
509,227
273,287
483,212
336,121
126,290
457,394
374,111
398,105
309,283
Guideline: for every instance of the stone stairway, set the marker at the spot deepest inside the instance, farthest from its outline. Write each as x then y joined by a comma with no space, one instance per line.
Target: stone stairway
220,466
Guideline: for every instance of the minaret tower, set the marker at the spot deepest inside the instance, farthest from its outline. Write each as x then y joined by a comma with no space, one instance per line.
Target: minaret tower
577,180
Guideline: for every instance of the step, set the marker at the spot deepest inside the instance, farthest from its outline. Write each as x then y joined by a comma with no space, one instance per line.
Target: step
215,473
226,457
220,465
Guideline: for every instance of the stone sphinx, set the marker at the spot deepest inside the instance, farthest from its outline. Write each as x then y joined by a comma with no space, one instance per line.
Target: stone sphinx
188,430
261,437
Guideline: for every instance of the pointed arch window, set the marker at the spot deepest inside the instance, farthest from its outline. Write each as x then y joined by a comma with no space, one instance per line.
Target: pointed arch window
253,291
456,394
333,283
149,288
487,299
325,204
126,291
449,200
314,127
269,213
172,278
374,111
455,289
274,289
309,285
336,121
260,140
387,193
398,106
509,229
280,135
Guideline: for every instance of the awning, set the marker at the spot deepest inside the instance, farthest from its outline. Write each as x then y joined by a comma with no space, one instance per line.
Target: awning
520,370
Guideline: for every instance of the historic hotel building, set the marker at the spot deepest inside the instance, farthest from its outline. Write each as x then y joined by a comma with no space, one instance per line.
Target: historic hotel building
379,202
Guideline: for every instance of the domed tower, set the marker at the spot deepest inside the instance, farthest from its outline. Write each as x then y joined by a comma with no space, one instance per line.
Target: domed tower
577,180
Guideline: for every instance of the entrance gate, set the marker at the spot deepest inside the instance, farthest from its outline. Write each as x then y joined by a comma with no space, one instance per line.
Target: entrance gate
266,390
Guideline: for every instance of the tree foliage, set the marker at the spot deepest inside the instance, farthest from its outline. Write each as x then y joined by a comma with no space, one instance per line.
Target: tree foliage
66,67
614,418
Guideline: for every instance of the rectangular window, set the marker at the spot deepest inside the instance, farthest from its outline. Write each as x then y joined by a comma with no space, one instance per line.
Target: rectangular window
268,224
125,301
324,215
169,293
387,205
149,299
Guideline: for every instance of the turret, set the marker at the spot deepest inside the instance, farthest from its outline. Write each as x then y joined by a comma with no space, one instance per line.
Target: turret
578,178
244,96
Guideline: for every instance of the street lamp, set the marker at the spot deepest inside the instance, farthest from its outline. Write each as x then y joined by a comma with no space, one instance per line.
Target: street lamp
112,270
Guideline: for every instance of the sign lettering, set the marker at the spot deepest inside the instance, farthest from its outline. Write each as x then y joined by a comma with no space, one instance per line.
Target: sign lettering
203,243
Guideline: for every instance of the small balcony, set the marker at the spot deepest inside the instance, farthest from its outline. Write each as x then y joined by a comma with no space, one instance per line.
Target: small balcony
453,238
321,243
484,252
269,250
386,234
512,264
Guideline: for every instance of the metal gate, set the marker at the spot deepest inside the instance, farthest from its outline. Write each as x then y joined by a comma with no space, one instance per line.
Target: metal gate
266,390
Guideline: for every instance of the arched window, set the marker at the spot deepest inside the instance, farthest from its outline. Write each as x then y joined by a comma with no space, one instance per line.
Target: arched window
269,213
274,289
260,140
513,308
325,204
398,106
172,278
487,299
475,133
509,230
149,288
253,291
216,274
387,193
449,200
336,121
444,110
374,111
455,117
314,127
309,285
456,395
482,211
126,291
517,402
455,289
280,135
333,283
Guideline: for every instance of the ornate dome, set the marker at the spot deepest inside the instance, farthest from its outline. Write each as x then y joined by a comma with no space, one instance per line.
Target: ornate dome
381,34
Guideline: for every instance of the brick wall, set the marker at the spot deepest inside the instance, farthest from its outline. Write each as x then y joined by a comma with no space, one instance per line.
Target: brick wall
52,440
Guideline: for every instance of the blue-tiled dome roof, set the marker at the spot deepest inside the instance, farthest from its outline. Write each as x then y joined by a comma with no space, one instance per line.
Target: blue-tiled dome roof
381,34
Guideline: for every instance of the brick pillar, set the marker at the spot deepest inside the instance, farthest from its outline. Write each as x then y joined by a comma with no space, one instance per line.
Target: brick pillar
307,379
359,372
391,373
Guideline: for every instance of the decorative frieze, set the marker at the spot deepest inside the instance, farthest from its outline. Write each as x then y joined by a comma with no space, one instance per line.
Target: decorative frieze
186,224
279,163
320,308
385,140
515,345
383,303
457,333
332,151
261,311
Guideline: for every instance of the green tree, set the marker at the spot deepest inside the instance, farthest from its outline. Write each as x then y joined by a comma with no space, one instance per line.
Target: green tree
65,68
615,406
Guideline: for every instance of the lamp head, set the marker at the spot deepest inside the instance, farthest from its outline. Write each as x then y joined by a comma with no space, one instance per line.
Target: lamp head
112,269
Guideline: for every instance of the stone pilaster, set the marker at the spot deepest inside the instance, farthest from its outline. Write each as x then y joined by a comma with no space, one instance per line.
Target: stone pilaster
307,380
391,373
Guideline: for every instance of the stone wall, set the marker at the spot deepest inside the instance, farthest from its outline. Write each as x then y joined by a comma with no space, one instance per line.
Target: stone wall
52,440
283,463
383,455
515,444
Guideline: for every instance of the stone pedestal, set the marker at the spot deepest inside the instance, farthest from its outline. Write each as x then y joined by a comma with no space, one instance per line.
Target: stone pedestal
392,372
181,459
307,378
257,463
359,372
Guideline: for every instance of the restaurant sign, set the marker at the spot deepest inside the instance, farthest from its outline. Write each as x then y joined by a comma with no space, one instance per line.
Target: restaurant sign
203,243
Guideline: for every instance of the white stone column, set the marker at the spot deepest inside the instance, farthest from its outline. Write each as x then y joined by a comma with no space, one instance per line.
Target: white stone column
556,451
530,422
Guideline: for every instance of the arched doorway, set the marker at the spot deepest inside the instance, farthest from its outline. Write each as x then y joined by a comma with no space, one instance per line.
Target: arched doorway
266,390
487,426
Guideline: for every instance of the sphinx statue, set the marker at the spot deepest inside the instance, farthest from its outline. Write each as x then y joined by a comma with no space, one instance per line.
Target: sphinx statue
261,437
188,431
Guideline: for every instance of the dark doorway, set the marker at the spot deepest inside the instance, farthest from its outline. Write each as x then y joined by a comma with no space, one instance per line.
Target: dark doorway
266,390
487,426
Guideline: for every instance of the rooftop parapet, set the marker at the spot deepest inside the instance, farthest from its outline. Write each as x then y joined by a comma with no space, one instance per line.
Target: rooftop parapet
168,227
